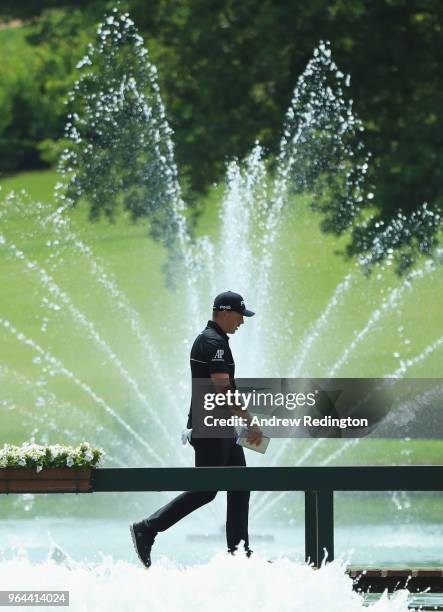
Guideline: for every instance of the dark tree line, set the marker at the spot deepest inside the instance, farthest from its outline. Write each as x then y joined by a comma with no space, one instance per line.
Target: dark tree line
227,70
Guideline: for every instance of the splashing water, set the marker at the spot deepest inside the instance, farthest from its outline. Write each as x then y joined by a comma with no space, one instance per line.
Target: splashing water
112,585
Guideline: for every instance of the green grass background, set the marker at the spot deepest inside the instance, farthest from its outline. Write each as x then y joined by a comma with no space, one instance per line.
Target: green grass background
307,270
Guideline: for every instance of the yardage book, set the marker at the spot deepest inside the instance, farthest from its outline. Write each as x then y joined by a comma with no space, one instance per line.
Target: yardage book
242,440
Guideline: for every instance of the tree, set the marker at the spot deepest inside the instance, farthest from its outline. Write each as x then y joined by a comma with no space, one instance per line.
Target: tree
227,70
120,152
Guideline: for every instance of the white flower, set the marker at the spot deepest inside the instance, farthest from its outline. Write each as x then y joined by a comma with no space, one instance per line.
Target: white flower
34,453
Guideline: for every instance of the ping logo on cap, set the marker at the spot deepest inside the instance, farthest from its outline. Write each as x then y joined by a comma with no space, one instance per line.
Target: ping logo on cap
228,300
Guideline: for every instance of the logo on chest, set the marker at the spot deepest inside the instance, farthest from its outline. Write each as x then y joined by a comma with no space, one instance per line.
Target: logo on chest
219,354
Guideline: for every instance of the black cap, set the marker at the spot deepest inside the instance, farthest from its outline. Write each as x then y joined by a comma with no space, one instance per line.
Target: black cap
228,300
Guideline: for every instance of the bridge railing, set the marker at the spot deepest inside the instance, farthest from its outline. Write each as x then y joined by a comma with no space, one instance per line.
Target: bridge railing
318,484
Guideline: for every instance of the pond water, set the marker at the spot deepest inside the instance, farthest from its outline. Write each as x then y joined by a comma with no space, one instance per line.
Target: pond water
94,560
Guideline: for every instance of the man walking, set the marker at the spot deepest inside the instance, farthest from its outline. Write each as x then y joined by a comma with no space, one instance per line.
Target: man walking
211,359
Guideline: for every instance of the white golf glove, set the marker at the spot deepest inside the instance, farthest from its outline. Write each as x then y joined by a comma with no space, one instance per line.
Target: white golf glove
186,436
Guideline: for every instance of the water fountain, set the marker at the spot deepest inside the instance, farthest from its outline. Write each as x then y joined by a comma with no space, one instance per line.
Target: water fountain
129,390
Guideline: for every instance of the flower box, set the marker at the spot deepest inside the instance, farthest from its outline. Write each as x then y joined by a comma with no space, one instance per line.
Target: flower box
48,480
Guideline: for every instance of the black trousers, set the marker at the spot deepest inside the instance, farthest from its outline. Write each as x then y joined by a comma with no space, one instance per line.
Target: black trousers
211,452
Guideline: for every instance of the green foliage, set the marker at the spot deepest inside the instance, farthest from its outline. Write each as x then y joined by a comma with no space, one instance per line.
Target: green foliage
58,43
321,153
119,149
33,86
401,241
227,69
18,93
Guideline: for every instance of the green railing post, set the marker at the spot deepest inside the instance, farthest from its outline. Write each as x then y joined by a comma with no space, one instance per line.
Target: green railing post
319,526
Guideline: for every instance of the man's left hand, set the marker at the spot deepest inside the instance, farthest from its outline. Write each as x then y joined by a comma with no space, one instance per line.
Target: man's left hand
254,435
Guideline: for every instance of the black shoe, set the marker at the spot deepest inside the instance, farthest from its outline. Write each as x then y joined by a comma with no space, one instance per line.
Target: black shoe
234,549
143,538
